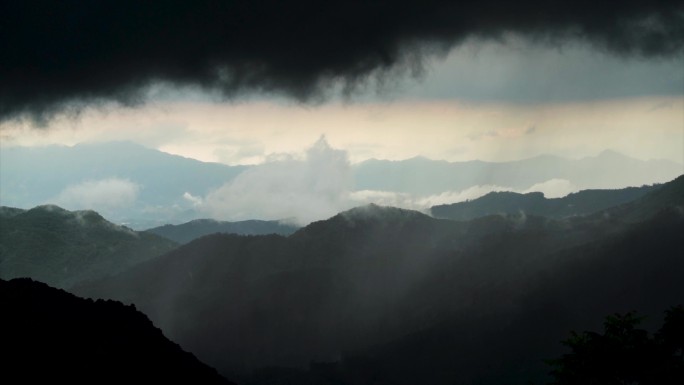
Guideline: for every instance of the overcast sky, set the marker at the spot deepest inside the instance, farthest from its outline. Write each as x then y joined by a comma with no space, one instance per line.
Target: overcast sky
260,82
485,100
242,82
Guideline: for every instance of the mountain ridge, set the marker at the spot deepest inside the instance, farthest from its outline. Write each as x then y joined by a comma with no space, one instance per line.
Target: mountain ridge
155,188
583,202
189,231
62,247
427,177
362,278
50,335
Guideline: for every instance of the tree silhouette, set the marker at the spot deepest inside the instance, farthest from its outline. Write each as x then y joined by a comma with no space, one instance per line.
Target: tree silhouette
624,354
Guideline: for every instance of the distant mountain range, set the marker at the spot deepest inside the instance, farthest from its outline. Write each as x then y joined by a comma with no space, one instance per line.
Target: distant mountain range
192,230
62,247
403,298
423,176
31,176
506,202
51,336
159,188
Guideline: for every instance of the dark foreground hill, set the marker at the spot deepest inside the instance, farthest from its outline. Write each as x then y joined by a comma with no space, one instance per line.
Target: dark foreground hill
387,296
63,247
51,336
506,337
192,230
580,203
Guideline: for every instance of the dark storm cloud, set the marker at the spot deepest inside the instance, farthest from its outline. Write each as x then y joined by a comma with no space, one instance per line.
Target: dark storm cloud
57,56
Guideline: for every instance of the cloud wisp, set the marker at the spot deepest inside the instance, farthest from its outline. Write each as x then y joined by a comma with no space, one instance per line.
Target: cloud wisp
103,194
553,188
61,57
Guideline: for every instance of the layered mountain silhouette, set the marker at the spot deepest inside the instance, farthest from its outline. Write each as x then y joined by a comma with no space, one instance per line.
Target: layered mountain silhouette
192,230
424,176
62,247
161,188
51,336
384,295
506,202
508,334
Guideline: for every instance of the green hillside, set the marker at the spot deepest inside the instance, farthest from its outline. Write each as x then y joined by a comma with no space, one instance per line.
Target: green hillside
61,247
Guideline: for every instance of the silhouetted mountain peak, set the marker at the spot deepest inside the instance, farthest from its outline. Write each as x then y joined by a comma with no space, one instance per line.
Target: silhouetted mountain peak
611,157
611,154
93,218
541,158
49,208
363,221
418,160
422,159
62,247
203,221
504,194
80,218
373,211
51,335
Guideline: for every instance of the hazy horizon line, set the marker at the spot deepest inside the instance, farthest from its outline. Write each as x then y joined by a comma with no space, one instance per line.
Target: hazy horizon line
293,155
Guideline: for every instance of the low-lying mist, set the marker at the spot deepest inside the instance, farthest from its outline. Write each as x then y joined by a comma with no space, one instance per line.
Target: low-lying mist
144,188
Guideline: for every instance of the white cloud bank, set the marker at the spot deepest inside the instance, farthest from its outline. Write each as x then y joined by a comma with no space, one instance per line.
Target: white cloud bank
103,194
553,188
314,187
319,184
